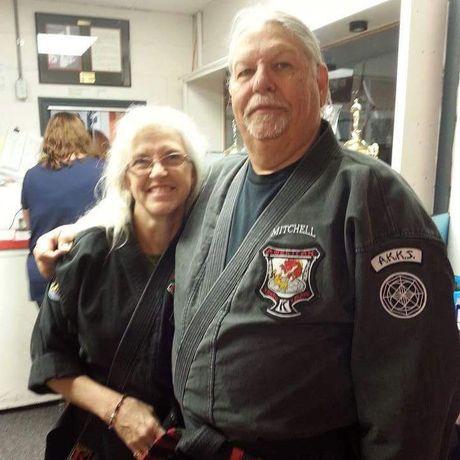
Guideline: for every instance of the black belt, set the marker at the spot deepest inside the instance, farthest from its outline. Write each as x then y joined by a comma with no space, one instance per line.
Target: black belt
339,444
205,443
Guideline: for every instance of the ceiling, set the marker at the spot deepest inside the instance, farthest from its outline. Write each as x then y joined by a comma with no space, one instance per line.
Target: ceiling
171,6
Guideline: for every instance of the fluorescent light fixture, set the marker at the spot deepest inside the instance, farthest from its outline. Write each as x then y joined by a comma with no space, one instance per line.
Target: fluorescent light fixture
64,45
340,73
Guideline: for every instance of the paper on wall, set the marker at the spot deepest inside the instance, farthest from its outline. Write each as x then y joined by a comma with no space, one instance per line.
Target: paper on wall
19,151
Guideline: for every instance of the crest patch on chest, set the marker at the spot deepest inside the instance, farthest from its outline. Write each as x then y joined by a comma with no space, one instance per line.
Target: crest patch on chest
288,279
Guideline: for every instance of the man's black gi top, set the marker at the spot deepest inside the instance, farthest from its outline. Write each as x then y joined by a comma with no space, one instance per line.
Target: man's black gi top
335,311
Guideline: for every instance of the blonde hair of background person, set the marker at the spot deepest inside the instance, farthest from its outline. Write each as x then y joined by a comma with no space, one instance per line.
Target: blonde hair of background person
65,140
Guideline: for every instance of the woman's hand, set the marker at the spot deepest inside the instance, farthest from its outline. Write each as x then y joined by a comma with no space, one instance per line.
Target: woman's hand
53,245
137,426
134,421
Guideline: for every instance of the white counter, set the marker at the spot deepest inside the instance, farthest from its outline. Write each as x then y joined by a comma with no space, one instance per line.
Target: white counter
17,317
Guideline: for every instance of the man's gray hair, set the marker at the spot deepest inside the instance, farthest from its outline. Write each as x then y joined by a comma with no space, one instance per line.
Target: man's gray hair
252,18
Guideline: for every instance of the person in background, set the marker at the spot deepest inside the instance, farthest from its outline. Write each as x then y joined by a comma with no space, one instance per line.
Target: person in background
60,188
100,143
313,304
152,176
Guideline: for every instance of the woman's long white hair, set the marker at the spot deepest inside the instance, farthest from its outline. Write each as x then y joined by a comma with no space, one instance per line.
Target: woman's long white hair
114,210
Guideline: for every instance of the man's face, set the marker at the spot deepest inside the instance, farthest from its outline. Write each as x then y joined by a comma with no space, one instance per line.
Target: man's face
276,91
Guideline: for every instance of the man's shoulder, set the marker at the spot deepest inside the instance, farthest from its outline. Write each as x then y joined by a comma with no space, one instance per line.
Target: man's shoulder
223,166
228,162
364,167
380,190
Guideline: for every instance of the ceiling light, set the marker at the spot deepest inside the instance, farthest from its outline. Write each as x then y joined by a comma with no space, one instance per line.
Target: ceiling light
340,73
358,26
64,45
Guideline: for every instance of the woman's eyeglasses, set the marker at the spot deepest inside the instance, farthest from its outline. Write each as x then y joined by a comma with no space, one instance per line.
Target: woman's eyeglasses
143,165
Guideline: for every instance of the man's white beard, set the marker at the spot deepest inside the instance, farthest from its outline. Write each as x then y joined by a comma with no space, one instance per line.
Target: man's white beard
266,126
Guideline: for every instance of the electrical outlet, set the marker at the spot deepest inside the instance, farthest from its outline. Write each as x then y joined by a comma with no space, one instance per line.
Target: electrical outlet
21,89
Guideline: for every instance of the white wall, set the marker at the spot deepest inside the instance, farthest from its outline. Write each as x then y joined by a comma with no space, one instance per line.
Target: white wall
17,318
218,15
419,94
160,46
454,207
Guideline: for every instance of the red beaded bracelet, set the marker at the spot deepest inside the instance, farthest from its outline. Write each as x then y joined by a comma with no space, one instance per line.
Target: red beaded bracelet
115,412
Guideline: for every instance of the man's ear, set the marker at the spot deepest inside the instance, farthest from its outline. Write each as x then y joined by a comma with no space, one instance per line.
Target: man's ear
322,77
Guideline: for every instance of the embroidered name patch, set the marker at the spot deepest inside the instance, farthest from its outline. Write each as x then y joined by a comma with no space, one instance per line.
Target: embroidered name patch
288,279
395,256
403,295
302,229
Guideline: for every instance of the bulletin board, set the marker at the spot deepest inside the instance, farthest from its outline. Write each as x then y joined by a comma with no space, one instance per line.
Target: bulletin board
106,62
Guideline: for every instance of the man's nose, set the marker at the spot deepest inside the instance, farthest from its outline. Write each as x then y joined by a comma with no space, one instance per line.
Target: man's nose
263,80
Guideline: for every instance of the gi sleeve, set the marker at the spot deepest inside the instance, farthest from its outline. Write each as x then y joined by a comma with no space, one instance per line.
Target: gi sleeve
405,350
55,343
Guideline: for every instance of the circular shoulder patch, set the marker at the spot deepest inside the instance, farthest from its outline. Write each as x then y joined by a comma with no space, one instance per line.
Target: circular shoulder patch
403,295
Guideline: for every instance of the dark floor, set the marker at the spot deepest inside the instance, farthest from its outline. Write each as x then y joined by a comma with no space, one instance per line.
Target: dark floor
23,431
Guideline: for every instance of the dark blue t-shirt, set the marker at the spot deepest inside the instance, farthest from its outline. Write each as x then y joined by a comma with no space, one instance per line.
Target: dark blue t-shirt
255,194
56,197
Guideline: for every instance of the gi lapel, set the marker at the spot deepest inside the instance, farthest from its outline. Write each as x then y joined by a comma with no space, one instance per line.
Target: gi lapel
134,264
218,250
149,305
226,280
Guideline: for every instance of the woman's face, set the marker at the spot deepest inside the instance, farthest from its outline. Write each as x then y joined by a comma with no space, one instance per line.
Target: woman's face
161,189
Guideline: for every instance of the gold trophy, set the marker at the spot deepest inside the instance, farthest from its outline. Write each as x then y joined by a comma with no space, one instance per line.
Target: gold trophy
356,143
235,147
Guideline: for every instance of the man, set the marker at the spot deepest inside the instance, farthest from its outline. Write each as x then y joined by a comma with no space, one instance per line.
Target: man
315,317
313,301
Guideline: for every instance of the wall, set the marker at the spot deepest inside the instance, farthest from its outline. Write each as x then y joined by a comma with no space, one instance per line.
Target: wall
17,318
218,15
419,94
160,45
454,209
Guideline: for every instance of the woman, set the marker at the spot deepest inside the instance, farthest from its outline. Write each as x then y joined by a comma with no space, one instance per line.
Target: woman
152,175
60,188
100,143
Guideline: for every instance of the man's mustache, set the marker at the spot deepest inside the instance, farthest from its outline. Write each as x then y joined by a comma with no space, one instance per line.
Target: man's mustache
258,101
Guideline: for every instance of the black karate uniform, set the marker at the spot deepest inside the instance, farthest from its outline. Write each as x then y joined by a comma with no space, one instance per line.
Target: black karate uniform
84,314
330,332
